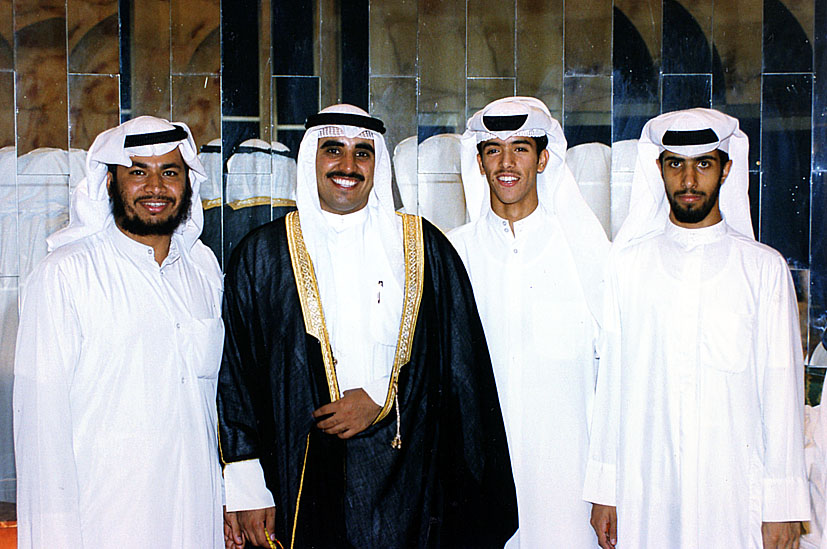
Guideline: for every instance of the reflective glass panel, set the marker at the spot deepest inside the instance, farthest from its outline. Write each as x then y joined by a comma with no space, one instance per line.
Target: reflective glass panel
490,38
94,107
588,42
687,34
540,52
150,58
195,36
588,109
8,336
93,36
392,38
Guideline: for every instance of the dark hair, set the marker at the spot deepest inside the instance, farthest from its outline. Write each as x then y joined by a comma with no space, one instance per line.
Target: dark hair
540,143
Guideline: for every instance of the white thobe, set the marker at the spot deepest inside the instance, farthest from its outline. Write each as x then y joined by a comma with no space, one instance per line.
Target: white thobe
362,304
697,432
114,398
541,337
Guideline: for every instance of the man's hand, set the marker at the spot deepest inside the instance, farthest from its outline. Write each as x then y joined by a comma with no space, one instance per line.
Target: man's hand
781,535
253,523
348,416
233,537
604,522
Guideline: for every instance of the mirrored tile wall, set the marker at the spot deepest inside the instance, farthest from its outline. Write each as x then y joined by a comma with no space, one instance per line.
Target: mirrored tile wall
245,75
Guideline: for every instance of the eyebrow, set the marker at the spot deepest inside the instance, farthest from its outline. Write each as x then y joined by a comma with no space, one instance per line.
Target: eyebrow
163,166
332,143
364,146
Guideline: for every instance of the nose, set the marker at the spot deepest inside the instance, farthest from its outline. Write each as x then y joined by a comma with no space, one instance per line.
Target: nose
690,181
348,162
508,158
153,182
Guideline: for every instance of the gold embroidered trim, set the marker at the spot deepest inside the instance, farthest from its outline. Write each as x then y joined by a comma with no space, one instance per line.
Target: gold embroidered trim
310,299
260,201
313,314
414,277
211,203
299,497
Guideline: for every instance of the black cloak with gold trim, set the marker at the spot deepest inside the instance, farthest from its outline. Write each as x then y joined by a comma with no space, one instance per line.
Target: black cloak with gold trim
450,482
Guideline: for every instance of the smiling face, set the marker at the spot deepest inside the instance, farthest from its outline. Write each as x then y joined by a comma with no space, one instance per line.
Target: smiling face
692,185
151,197
511,169
344,173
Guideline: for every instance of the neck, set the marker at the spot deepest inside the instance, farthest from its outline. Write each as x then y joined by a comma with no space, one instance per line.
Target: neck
158,242
516,211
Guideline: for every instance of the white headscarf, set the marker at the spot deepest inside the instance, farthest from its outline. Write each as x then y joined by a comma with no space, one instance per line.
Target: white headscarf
90,211
690,132
380,201
556,187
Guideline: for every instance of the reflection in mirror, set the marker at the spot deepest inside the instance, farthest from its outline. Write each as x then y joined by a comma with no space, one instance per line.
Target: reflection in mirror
687,28
482,91
92,33
6,108
94,107
45,201
588,109
788,28
490,38
149,53
785,161
636,51
442,66
8,334
685,91
818,272
6,36
588,37
393,100
40,57
540,52
196,101
392,38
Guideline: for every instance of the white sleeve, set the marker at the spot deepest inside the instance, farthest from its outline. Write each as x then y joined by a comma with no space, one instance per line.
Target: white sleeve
601,467
48,347
781,381
244,486
377,389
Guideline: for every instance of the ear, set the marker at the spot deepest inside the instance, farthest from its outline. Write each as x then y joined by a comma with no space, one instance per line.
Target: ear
542,161
479,163
725,170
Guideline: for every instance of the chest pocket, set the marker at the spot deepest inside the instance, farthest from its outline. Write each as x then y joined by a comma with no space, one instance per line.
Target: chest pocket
726,340
203,342
385,317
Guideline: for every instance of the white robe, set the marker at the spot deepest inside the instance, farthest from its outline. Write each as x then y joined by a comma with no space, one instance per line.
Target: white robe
541,337
697,430
114,398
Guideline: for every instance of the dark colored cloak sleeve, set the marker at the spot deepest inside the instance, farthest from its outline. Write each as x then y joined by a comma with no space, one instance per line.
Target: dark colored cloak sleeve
450,485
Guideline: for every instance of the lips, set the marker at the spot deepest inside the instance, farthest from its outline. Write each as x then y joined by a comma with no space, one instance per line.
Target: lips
507,179
154,205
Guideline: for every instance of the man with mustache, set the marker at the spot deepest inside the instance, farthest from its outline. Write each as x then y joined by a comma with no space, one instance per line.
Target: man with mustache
117,357
697,435
535,254
356,404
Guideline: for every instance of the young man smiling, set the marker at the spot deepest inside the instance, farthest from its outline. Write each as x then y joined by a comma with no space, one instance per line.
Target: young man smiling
697,433
535,252
117,357
356,399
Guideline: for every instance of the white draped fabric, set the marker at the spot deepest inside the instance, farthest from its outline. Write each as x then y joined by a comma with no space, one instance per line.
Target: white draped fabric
697,429
541,336
114,397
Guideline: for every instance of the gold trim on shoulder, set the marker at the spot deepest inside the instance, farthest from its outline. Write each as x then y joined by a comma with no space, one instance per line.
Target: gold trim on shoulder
310,299
211,203
282,202
260,201
313,314
414,251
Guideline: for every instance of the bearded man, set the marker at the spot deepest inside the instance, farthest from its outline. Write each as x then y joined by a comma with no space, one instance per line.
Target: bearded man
696,437
117,357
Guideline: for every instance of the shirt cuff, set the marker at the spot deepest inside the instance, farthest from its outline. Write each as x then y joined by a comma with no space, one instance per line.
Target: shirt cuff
786,500
244,486
600,484
377,390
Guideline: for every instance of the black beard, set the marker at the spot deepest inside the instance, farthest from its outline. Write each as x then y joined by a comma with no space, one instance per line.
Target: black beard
133,224
693,214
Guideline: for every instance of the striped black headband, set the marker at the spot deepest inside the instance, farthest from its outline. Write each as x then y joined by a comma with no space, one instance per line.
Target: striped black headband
345,119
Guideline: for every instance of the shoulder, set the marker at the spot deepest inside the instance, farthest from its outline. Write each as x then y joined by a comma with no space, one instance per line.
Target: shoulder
204,257
75,253
463,234
757,254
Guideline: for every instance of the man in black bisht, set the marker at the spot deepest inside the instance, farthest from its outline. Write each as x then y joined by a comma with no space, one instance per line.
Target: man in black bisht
357,405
